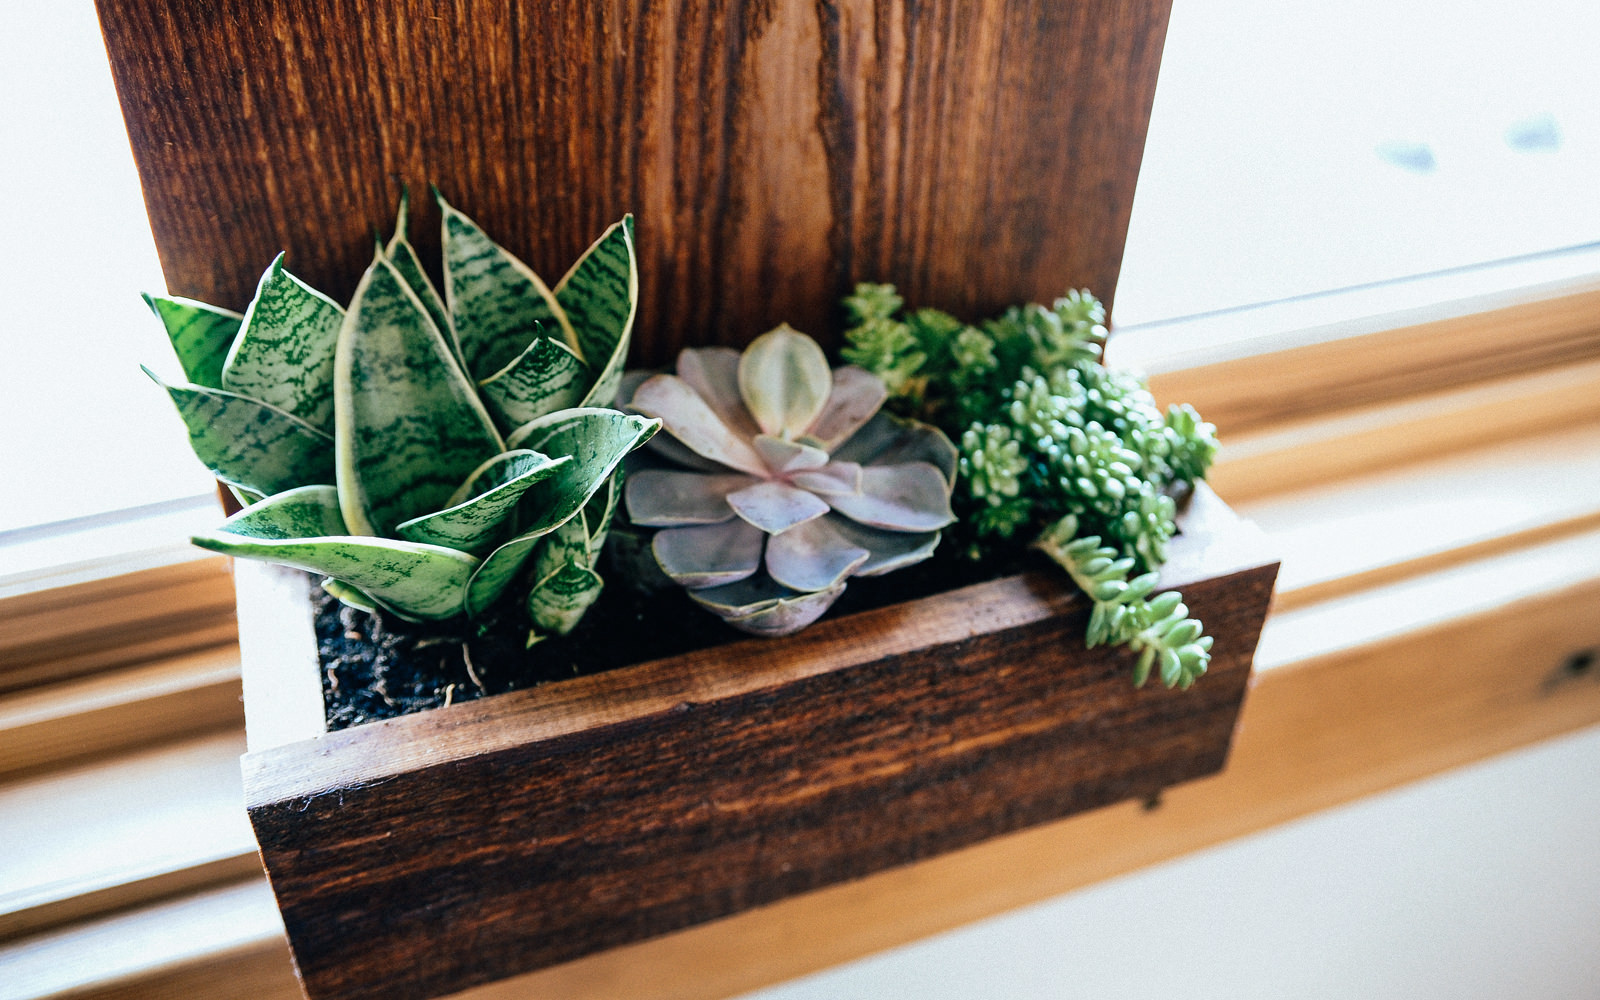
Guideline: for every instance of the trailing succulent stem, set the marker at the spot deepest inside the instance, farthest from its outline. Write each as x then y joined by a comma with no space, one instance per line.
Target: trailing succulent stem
1050,439
1157,628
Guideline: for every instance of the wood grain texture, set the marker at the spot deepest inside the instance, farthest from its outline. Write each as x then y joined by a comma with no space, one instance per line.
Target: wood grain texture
479,841
975,152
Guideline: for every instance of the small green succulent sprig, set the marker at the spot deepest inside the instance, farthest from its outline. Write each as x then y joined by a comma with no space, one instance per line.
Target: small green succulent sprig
1053,444
1158,628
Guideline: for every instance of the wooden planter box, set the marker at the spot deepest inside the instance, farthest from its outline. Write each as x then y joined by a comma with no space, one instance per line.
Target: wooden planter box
426,854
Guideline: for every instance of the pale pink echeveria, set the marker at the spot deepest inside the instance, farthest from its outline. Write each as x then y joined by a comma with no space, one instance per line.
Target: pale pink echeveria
777,479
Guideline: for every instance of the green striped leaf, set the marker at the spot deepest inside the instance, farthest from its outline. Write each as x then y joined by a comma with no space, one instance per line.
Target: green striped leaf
599,513
404,258
558,601
495,300
201,334
346,594
600,294
565,581
409,427
248,444
482,508
284,351
304,529
597,440
545,378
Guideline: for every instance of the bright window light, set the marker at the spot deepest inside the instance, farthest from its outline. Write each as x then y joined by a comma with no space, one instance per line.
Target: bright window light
83,430
1299,148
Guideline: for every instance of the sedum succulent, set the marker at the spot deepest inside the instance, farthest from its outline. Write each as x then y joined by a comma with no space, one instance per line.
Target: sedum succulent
423,452
778,479
1054,447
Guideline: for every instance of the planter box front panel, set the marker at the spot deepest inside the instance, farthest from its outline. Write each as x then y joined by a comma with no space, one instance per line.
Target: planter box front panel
429,853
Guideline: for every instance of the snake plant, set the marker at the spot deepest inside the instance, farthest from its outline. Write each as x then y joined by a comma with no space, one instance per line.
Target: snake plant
427,453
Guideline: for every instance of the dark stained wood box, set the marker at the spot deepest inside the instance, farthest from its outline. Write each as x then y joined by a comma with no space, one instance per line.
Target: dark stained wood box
426,854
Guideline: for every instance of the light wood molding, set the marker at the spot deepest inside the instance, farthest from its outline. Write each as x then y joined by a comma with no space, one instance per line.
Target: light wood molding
1391,358
61,632
122,832
118,710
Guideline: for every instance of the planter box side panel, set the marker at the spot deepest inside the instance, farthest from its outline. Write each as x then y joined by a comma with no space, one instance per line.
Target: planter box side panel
478,868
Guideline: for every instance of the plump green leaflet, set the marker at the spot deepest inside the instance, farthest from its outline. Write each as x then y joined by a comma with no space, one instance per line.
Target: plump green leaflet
409,427
249,444
284,352
600,295
495,300
201,334
303,528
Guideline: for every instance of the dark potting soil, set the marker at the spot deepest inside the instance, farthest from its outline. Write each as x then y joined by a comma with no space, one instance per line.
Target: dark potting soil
376,666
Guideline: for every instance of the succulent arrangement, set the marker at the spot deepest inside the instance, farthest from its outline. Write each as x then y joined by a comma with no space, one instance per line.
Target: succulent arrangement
777,479
430,452
426,453
1056,450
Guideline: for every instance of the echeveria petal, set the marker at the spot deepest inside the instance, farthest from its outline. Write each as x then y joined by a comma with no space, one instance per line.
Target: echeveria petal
812,556
542,379
284,352
774,507
761,606
495,300
784,380
670,448
303,528
410,427
480,511
689,419
887,440
909,497
664,498
709,555
713,372
889,550
788,456
248,444
833,478
201,335
857,395
629,384
600,295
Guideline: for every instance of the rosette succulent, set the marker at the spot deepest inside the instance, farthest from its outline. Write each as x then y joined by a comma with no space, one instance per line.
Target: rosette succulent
778,479
424,452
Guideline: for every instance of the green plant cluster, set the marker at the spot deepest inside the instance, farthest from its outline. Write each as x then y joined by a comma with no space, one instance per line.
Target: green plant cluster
1053,446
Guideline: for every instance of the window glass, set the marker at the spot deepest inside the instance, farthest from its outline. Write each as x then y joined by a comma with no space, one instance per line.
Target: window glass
1298,148
83,430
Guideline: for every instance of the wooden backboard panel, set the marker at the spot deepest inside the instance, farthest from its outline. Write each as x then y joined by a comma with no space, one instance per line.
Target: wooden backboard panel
974,152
